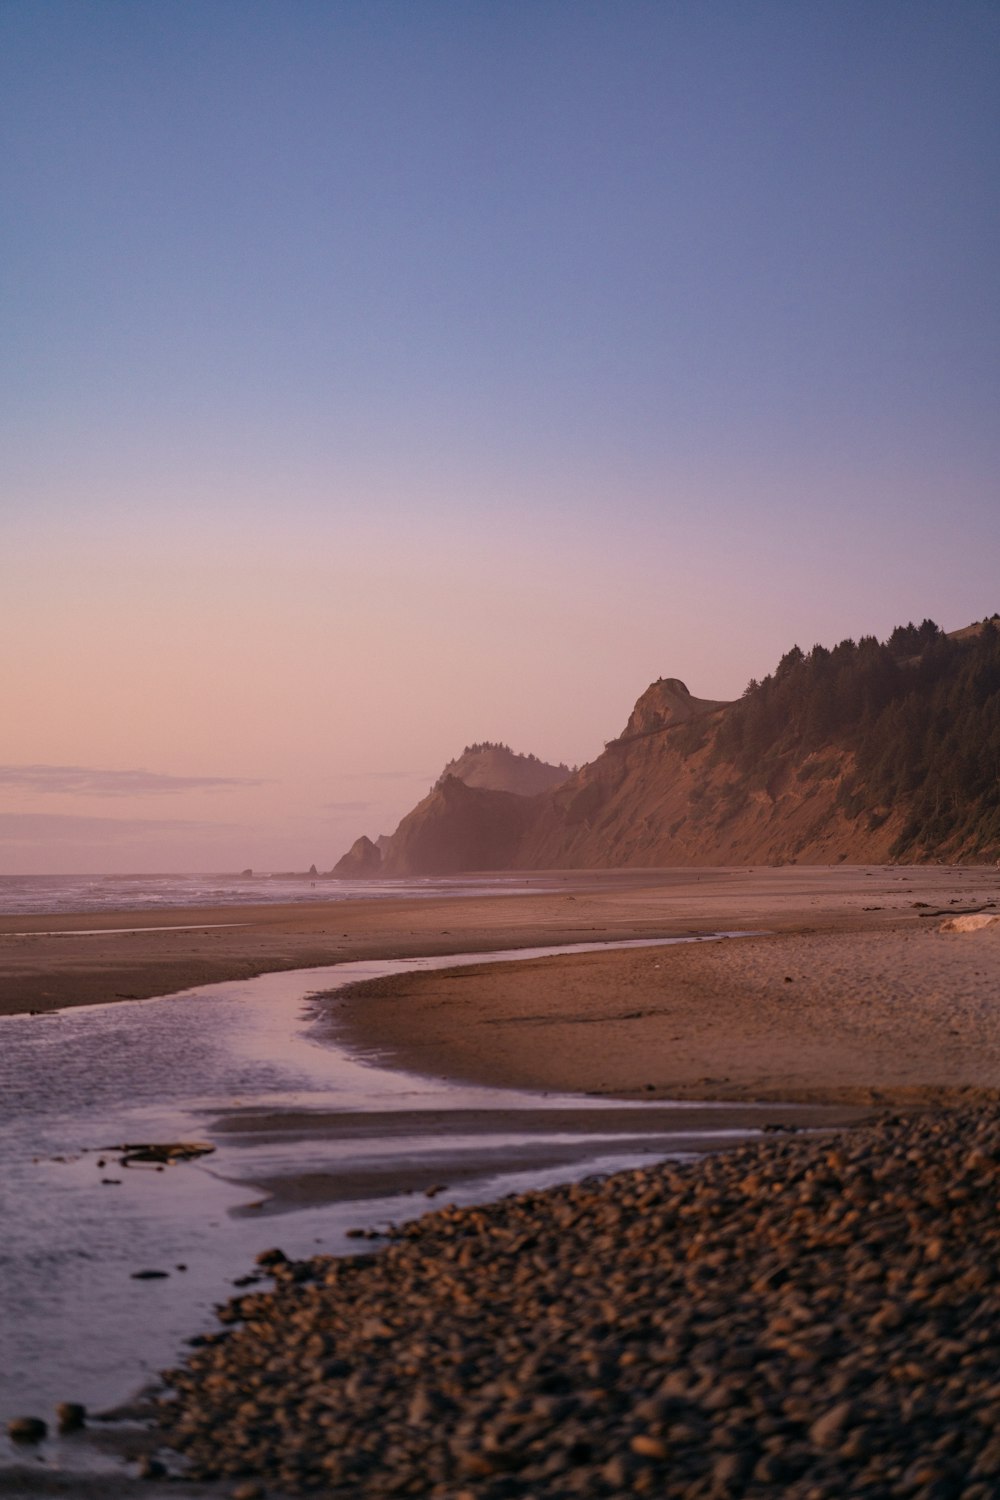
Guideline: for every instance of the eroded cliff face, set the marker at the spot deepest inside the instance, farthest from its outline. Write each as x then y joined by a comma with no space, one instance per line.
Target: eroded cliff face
647,803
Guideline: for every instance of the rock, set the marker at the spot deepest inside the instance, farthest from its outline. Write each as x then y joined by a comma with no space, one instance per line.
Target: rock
71,1416
971,922
647,1446
271,1258
27,1429
826,1430
363,861
731,1470
665,702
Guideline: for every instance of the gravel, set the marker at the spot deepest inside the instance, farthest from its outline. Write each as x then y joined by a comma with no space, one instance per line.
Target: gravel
804,1317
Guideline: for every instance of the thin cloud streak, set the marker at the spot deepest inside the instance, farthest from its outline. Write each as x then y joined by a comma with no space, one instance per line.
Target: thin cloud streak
94,782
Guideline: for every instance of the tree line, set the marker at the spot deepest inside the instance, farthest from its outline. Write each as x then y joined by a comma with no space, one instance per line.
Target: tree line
919,712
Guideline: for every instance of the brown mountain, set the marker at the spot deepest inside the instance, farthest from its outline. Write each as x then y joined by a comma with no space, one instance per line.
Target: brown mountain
864,752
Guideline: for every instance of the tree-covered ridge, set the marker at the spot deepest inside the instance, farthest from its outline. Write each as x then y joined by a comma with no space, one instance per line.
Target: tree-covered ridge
483,745
919,712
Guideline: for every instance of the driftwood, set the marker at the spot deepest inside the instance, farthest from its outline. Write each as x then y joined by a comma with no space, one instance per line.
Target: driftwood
959,911
160,1153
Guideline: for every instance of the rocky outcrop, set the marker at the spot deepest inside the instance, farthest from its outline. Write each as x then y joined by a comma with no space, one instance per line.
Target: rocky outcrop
664,703
363,861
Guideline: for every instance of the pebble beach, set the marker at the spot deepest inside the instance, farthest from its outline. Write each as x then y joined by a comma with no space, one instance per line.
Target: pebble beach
803,1317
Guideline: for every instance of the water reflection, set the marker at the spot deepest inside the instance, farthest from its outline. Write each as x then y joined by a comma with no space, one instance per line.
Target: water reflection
78,1225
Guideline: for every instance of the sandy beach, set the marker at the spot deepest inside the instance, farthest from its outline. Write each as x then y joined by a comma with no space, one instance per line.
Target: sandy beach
902,1017
851,994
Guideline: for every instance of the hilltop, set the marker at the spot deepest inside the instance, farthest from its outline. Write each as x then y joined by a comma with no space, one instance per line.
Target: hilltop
449,830
500,769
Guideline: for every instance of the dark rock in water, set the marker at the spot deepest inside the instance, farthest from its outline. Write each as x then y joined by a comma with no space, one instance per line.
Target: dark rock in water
363,861
149,1275
71,1416
27,1429
162,1152
272,1258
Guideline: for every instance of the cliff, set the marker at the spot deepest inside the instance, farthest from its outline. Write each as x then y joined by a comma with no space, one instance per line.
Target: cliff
865,752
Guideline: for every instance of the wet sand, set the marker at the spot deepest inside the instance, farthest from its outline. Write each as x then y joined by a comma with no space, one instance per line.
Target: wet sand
908,1017
47,963
851,995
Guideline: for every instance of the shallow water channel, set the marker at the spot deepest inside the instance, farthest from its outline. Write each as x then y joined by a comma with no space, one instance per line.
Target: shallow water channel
249,1068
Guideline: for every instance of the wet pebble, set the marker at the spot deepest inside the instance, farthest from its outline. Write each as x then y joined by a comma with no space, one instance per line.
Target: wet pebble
71,1416
27,1429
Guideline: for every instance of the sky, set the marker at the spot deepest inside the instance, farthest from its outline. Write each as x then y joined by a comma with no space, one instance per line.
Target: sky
380,377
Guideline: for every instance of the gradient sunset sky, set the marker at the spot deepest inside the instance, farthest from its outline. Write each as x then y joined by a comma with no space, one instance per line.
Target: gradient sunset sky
378,377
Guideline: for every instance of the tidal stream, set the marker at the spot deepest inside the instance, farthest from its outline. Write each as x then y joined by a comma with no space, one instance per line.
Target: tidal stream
248,1068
